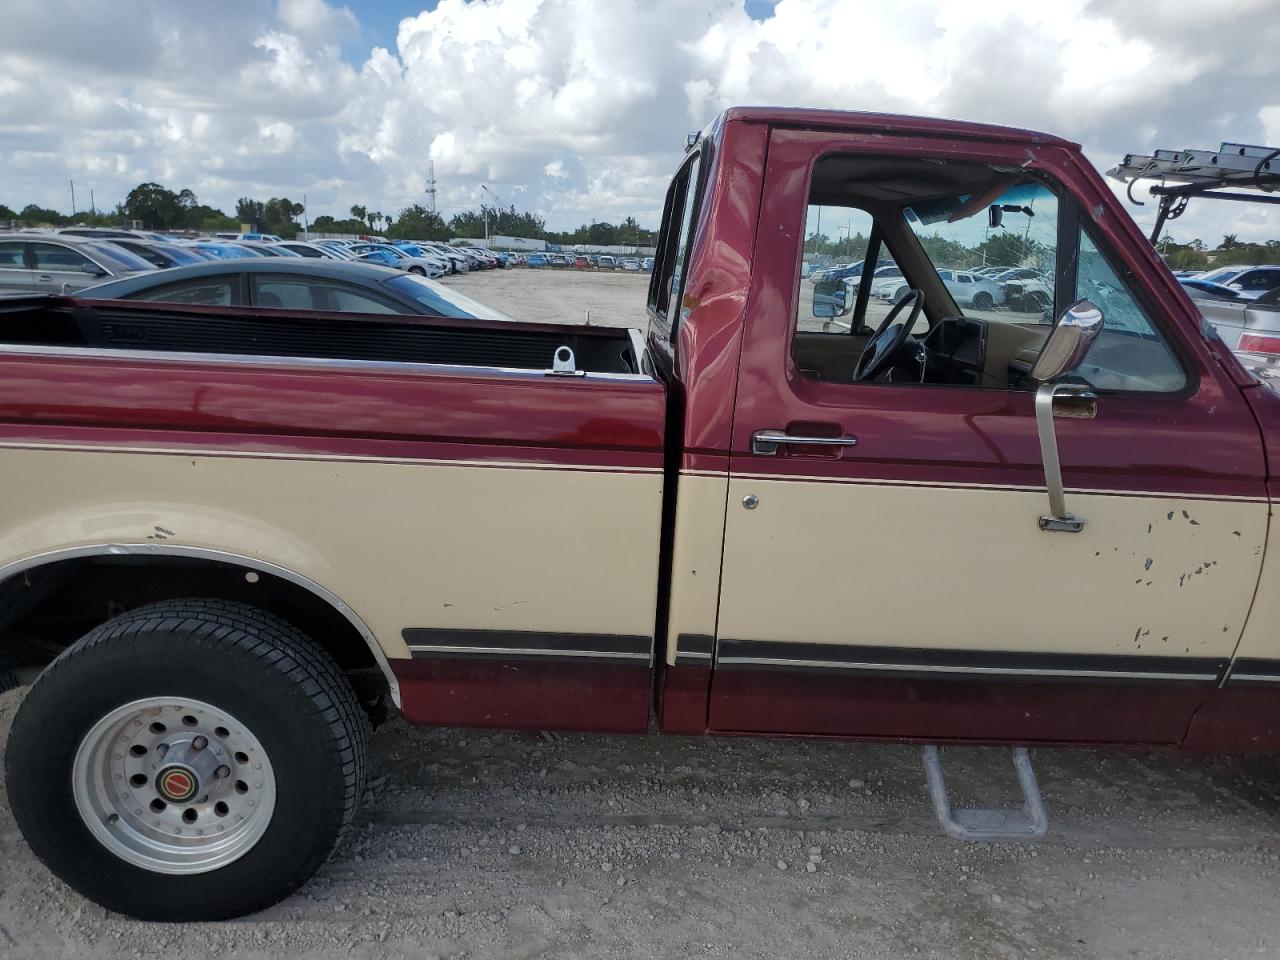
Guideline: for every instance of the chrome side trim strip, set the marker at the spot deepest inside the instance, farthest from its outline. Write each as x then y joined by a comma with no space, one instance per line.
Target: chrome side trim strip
1253,678
943,668
317,363
320,457
202,553
418,649
1003,487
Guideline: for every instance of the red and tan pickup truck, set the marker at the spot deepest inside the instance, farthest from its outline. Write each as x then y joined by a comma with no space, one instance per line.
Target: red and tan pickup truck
231,538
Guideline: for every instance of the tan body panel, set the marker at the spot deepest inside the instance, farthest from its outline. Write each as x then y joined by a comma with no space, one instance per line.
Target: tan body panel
697,548
403,543
968,569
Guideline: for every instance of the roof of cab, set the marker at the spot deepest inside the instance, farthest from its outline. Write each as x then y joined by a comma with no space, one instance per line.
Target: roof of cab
891,123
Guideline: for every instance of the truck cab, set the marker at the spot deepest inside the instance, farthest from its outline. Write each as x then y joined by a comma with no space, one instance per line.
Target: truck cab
883,568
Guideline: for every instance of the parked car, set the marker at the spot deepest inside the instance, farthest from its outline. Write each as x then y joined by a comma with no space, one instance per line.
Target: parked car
1246,326
401,259
267,249
108,233
439,261
1199,288
606,262
458,261
261,237
223,249
54,263
629,263
316,251
159,254
884,281
231,539
967,289
1251,281
299,284
648,264
536,260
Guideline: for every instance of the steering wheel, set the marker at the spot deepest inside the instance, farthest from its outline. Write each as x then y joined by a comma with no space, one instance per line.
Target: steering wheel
885,343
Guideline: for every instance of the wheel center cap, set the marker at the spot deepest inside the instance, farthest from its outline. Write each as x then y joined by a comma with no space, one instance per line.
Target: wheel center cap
177,784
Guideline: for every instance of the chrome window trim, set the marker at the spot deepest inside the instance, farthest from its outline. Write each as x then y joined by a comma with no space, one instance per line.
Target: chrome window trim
323,363
203,553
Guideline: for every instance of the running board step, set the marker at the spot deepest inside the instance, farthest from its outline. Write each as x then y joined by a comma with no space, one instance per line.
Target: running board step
978,824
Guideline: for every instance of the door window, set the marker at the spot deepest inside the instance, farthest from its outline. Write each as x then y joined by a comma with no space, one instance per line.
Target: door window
1130,353
207,291
976,249
303,294
11,255
54,257
667,285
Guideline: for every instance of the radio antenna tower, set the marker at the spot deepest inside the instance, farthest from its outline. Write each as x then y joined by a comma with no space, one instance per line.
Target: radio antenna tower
431,184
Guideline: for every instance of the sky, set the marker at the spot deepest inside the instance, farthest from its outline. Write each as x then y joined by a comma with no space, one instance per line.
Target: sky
578,110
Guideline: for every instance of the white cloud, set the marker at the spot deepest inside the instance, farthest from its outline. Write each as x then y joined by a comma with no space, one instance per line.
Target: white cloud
579,109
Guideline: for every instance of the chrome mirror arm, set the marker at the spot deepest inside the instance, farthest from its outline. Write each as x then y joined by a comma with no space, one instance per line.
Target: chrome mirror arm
1058,519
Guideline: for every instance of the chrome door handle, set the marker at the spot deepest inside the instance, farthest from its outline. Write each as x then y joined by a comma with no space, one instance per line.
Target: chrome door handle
765,443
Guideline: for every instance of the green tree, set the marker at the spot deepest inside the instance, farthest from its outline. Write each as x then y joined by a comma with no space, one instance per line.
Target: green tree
278,215
35,215
1229,242
416,222
154,205
6,213
249,211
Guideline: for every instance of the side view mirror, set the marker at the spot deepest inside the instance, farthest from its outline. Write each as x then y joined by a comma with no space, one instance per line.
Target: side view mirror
1068,342
1236,286
830,298
995,216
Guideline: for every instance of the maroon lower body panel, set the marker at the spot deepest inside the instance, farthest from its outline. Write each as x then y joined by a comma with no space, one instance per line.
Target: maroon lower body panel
1237,720
975,710
683,704
556,695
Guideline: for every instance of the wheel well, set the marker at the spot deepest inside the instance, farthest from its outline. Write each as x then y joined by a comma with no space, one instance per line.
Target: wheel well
45,609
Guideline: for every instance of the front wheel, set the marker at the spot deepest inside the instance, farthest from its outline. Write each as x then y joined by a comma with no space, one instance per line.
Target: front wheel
418,270
983,300
189,760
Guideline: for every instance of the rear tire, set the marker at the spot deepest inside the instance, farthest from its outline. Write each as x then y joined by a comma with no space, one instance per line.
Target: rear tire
418,270
91,759
983,301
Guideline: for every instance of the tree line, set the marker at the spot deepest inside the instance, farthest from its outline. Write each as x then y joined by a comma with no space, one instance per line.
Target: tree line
159,208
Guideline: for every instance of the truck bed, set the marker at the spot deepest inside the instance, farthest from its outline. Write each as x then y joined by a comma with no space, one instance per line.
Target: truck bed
245,331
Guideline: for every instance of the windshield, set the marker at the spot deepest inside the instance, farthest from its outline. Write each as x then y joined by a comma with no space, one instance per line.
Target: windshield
118,258
442,300
1221,275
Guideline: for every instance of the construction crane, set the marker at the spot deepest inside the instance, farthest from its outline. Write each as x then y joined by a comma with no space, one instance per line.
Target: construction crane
1184,174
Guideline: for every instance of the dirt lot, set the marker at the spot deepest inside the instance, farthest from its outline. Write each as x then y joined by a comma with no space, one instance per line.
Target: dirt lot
483,844
546,295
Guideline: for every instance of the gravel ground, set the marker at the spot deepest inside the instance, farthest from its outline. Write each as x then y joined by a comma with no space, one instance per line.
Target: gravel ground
487,844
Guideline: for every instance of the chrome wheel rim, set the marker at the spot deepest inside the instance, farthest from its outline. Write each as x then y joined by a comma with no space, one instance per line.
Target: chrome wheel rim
174,785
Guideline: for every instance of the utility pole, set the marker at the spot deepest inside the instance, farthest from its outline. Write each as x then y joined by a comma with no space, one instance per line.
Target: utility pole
431,184
73,198
93,207
305,230
498,201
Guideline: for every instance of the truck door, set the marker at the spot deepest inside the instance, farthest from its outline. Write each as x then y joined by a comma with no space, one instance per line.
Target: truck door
886,572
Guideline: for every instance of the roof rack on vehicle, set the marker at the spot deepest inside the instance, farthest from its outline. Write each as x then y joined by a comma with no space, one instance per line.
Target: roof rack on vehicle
1201,173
